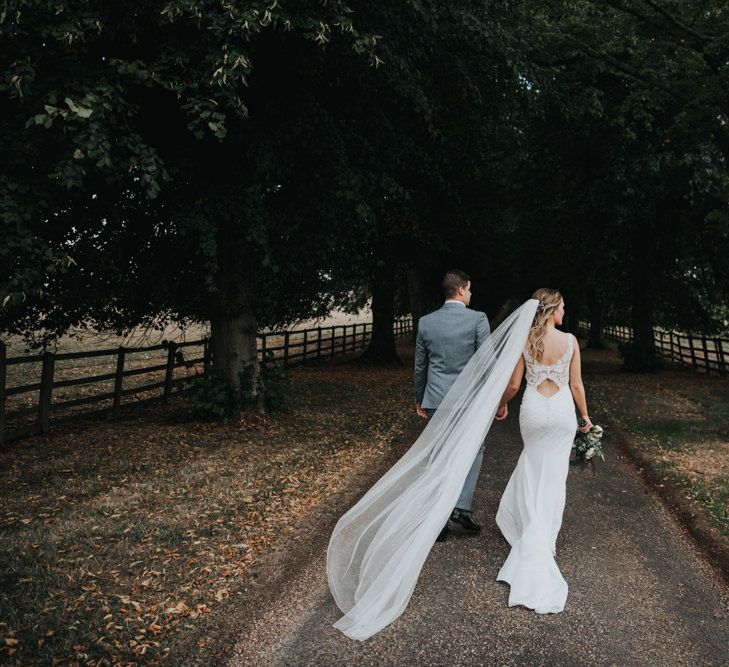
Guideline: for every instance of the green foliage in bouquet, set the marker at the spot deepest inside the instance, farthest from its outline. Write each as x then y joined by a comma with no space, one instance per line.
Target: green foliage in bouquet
213,398
587,446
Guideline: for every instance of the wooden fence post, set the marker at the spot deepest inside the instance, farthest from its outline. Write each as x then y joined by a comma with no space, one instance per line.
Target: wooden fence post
286,349
693,351
318,343
3,379
264,345
720,356
168,371
706,354
46,391
118,381
306,339
331,345
207,360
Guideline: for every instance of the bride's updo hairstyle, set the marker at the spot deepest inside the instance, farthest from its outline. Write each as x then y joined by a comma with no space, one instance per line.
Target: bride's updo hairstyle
549,300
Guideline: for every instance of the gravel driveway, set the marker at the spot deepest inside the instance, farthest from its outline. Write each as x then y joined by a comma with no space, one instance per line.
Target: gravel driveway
639,591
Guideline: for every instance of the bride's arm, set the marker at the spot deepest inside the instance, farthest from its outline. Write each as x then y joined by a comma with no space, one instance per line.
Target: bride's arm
514,383
577,388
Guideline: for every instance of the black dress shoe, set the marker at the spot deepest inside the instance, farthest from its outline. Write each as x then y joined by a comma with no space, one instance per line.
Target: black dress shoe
443,534
465,519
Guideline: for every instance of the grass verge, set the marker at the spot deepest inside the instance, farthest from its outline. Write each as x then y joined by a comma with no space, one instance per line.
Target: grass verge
118,538
675,425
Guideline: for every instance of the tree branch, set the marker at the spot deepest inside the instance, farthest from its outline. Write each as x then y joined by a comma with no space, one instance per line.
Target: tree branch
720,135
679,24
631,12
630,71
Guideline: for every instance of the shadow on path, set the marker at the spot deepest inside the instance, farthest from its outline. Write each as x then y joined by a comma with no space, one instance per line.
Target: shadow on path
638,592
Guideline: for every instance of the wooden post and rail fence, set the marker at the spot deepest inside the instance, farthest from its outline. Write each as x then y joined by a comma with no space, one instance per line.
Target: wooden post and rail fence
701,352
290,347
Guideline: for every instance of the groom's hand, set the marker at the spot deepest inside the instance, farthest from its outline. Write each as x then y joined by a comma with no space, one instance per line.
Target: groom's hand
421,413
502,412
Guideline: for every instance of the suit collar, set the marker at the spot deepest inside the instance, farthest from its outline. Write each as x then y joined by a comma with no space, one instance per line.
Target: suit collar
454,304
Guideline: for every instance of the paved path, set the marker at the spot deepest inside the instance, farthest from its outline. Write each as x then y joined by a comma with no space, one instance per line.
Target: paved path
639,594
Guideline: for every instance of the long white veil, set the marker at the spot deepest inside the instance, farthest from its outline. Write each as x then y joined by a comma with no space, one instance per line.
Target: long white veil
379,546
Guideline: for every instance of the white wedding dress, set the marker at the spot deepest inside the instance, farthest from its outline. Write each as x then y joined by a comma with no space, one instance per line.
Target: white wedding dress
379,546
530,510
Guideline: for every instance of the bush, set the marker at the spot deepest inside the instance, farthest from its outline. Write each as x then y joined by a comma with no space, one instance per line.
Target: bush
276,385
272,389
212,398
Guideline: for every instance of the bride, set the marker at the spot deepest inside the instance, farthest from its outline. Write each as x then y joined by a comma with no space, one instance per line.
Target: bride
530,510
379,546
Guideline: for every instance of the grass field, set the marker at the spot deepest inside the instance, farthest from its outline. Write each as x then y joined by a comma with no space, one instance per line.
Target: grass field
82,341
79,339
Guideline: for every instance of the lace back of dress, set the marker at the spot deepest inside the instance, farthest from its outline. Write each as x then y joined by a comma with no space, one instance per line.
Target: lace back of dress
558,372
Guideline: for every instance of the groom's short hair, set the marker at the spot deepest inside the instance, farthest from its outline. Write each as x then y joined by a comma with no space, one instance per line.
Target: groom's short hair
452,280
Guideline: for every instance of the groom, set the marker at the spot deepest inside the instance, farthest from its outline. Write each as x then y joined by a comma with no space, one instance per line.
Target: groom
447,339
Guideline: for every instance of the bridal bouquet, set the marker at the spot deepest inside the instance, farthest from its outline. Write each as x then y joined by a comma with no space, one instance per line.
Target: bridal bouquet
587,446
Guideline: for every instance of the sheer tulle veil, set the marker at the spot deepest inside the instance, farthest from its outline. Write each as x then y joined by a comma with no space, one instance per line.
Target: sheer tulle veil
379,546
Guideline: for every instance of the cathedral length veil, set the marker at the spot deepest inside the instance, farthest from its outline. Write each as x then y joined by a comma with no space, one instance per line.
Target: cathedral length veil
379,546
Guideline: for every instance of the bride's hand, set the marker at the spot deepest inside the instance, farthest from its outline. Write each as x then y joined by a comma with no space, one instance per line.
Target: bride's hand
586,427
502,412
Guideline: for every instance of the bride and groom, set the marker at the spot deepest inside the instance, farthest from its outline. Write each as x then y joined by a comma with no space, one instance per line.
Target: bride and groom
464,378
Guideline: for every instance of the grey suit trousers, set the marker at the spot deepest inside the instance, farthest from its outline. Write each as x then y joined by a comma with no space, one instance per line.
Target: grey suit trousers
465,500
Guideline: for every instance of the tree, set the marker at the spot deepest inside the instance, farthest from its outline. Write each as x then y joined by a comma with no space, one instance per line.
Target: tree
624,186
427,134
144,130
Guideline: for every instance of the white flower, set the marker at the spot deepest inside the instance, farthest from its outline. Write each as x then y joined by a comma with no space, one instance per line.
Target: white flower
590,453
597,430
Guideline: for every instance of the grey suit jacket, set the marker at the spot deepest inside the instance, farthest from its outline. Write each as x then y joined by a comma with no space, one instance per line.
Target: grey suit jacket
447,339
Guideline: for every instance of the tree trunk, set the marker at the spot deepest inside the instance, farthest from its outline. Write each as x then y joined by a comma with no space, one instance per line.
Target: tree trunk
594,340
232,343
415,292
571,322
382,348
640,354
233,324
